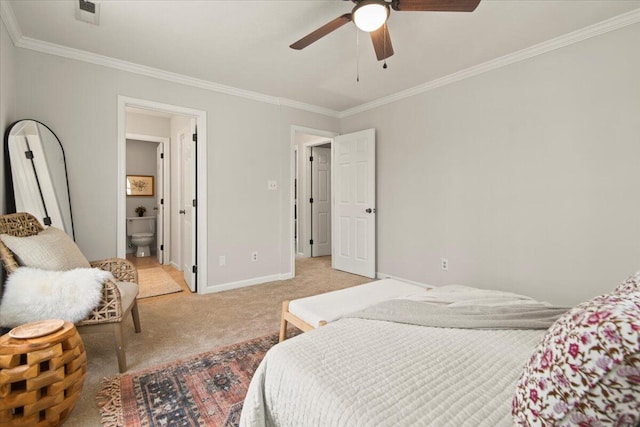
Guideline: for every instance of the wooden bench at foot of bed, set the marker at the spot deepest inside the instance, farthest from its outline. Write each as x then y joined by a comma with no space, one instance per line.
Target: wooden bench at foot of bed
318,310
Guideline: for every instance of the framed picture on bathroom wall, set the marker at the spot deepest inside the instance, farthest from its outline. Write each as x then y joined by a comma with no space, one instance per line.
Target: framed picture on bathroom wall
140,185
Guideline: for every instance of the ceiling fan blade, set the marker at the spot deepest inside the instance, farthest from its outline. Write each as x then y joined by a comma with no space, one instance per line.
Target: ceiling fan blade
322,31
382,42
435,5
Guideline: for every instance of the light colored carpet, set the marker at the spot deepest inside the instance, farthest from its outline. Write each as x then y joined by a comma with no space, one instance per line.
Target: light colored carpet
155,281
183,324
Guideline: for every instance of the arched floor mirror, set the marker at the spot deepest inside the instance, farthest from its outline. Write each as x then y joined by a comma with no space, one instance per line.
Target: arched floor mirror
37,174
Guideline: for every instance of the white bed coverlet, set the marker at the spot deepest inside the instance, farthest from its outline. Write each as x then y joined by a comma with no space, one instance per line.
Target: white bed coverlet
358,372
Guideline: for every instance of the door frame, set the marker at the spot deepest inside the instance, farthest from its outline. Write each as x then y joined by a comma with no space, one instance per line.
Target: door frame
201,177
166,225
303,171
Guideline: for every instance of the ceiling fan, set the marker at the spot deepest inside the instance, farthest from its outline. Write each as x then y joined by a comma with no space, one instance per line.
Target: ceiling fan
371,16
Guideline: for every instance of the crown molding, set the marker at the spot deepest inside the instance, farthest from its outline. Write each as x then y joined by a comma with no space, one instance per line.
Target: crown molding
84,56
606,26
285,102
19,40
9,19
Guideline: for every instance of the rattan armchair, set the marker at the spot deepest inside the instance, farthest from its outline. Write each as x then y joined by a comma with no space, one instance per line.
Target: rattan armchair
111,311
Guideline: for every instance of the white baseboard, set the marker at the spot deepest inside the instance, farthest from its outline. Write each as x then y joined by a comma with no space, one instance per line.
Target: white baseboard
174,265
286,276
381,275
248,282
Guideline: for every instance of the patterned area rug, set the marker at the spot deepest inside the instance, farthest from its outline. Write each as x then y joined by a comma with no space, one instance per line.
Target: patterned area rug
155,281
203,390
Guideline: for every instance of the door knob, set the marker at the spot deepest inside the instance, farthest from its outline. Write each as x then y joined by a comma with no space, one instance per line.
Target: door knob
182,212
369,210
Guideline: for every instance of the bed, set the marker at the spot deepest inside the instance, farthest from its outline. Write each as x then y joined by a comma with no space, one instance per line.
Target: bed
457,356
378,369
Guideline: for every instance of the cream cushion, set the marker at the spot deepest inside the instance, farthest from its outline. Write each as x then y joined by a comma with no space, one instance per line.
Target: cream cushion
51,249
333,305
128,293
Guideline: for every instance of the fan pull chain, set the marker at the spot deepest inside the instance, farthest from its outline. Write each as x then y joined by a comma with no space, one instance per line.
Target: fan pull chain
384,46
357,56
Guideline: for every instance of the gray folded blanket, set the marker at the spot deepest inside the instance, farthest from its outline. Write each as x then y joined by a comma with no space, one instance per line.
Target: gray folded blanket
525,316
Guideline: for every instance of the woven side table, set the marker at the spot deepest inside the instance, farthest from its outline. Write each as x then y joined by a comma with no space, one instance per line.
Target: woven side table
41,378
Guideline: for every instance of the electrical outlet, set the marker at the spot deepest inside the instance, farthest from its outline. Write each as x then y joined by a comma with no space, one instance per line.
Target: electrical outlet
444,264
254,256
272,185
223,260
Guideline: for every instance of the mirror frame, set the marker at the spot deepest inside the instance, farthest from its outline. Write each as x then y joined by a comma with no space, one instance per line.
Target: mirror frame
10,201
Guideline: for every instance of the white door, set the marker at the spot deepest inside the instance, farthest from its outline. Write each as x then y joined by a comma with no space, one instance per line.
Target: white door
188,202
354,225
160,202
321,206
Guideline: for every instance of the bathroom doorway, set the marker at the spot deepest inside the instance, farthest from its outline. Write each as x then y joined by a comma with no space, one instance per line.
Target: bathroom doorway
145,158
156,129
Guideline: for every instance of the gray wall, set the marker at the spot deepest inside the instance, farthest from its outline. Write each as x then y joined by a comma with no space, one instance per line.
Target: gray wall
141,160
7,108
7,96
248,144
524,177
144,124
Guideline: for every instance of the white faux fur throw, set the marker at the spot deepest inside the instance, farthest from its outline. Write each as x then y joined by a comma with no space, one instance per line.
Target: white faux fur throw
32,294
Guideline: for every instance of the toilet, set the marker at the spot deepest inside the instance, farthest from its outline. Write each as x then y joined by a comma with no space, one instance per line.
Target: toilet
141,229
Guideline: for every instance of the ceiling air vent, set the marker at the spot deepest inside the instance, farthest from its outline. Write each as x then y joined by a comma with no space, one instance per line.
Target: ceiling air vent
88,12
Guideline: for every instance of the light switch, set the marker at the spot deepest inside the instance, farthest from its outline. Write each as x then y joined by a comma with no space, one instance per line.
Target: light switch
272,185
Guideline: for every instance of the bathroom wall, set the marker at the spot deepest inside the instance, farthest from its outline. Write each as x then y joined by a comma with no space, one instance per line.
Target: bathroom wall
141,160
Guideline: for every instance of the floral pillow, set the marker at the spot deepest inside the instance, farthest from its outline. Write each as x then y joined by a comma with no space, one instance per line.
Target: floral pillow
586,369
632,284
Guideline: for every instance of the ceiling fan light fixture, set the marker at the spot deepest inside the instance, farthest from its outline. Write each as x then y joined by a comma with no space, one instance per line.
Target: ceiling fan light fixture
370,15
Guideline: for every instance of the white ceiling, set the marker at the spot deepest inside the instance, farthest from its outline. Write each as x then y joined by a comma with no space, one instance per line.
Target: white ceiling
244,44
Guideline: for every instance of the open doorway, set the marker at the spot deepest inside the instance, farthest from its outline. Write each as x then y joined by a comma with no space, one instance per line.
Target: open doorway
349,188
179,181
311,193
145,166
